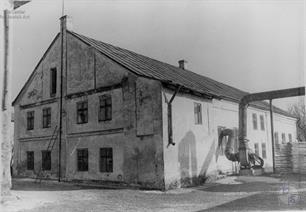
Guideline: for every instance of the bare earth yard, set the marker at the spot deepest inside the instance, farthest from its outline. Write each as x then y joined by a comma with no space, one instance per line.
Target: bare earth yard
228,194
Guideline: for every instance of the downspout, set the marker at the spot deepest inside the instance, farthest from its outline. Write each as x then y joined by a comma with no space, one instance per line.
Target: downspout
169,114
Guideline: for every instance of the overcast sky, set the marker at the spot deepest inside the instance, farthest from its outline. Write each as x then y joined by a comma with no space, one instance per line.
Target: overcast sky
252,45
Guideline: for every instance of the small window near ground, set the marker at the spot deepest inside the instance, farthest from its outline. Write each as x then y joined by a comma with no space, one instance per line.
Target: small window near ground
30,160
30,120
105,112
82,158
198,113
46,160
262,122
46,117
254,116
283,138
290,137
256,147
106,160
276,138
53,79
82,112
264,151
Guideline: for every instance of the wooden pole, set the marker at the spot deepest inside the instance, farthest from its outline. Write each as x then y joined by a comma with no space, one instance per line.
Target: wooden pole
5,115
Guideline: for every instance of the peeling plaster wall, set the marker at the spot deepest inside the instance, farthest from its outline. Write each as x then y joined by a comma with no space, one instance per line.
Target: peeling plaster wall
134,133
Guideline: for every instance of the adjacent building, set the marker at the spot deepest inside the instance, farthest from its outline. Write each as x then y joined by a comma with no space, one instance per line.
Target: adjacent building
128,118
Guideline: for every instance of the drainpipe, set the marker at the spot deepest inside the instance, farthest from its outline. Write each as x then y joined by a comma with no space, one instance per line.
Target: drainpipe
243,146
169,113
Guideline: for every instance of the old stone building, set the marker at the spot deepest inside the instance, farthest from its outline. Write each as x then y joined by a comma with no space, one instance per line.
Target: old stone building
121,115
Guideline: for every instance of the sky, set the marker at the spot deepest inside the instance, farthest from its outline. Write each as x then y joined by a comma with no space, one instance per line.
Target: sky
252,45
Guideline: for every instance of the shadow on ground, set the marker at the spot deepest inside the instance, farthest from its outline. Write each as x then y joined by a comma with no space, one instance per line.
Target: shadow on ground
259,202
54,186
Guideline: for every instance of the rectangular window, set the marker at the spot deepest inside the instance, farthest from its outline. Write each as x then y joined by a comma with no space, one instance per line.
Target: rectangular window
46,117
53,79
262,122
30,160
283,138
82,112
256,147
198,113
46,160
105,111
290,137
254,116
264,151
82,158
30,120
276,138
106,160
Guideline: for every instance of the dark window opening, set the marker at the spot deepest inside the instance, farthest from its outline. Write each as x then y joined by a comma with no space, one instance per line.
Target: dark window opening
30,120
53,79
276,138
283,138
254,116
290,137
82,159
106,160
198,113
264,151
30,160
262,122
105,112
46,160
82,112
256,147
46,117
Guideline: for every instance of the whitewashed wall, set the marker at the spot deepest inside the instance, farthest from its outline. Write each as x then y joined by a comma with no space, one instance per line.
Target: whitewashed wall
195,153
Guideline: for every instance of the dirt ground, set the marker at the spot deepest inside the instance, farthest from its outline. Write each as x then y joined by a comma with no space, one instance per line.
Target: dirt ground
232,193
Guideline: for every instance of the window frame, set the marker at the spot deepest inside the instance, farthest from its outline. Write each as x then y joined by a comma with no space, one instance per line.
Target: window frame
262,122
80,109
30,120
264,150
283,138
107,160
255,121
276,138
53,81
46,119
46,165
198,119
105,108
256,150
82,159
30,160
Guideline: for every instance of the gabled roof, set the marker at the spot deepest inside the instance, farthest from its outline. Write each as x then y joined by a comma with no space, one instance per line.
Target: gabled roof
166,73
154,69
33,72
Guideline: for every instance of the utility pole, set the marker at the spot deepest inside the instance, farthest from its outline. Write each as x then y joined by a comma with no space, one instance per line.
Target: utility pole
6,144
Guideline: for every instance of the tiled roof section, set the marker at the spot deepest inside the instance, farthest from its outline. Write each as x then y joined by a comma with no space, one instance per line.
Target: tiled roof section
151,68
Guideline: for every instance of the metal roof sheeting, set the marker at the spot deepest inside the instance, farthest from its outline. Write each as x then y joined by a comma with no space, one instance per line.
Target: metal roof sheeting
151,68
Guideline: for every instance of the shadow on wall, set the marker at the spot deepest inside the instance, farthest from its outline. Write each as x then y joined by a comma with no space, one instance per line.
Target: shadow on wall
187,158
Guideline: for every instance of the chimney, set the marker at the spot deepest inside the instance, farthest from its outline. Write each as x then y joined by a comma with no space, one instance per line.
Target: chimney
182,64
66,23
